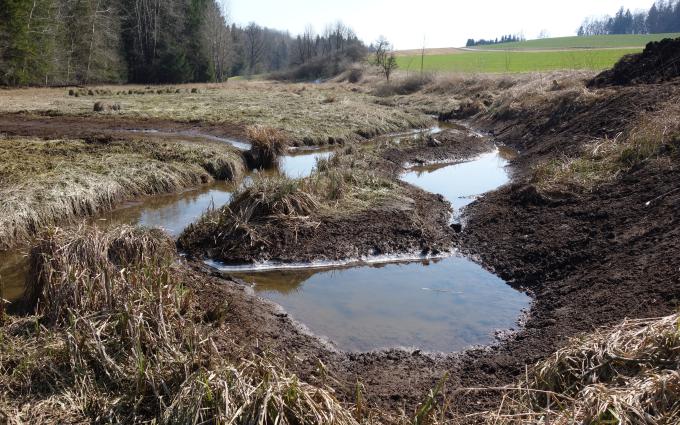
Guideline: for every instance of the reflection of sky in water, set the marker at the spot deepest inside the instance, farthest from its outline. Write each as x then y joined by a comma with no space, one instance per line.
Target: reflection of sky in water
460,183
444,306
301,165
176,216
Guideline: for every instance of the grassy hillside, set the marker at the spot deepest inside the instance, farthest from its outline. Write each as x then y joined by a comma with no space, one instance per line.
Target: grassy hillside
520,61
589,42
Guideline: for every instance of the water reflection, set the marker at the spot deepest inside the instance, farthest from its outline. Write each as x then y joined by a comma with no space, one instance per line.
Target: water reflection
442,305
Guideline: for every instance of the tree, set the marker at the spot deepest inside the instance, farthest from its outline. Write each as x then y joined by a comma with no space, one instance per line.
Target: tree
384,57
253,46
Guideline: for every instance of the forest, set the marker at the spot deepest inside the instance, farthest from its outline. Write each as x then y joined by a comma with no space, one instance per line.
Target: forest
662,17
60,42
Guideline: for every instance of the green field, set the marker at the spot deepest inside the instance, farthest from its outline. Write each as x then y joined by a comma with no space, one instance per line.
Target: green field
589,42
514,62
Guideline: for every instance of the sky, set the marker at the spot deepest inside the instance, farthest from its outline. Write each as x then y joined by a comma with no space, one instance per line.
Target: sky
440,23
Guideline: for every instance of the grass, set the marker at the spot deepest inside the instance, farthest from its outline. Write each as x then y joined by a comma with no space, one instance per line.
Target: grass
517,62
343,184
117,337
655,137
267,145
627,374
302,111
43,182
587,42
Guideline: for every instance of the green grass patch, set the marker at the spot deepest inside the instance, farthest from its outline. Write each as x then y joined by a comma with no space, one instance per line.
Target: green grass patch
588,42
515,62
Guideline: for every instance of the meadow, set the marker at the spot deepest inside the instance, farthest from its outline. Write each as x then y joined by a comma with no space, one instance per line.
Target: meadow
587,42
516,61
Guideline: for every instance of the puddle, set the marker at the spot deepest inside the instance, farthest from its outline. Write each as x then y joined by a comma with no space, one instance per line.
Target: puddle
461,183
301,163
439,305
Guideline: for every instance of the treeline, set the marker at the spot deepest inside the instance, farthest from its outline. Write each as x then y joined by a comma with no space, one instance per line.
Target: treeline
504,39
53,42
662,17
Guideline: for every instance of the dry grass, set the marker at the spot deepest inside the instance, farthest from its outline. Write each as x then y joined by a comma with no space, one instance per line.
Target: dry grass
43,182
267,145
118,339
299,110
655,137
628,374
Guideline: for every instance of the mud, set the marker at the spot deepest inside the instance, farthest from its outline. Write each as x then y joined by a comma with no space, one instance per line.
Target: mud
58,126
417,224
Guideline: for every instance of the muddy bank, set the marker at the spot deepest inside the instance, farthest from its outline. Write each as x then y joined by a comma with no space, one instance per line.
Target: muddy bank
417,223
454,144
57,126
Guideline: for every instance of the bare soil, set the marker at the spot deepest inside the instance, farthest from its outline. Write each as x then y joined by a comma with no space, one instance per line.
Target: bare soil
659,62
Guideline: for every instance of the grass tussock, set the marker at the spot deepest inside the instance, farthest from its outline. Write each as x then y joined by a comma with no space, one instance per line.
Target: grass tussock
43,182
342,184
656,137
118,338
267,145
628,374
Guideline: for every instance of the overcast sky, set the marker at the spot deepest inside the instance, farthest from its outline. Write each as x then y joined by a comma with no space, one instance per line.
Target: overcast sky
442,23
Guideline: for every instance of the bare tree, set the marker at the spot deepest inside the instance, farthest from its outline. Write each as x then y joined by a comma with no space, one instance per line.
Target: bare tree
253,46
218,38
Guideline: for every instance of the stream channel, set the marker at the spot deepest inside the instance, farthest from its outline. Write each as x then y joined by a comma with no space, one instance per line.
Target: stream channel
440,304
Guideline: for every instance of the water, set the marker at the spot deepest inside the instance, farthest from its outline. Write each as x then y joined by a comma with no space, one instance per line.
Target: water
440,305
300,164
460,184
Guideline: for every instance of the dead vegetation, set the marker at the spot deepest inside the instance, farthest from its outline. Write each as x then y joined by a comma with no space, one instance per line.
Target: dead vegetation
627,374
43,182
298,110
267,145
118,337
655,137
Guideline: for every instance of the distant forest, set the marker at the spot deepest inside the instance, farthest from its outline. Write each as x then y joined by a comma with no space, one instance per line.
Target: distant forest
504,39
55,42
662,17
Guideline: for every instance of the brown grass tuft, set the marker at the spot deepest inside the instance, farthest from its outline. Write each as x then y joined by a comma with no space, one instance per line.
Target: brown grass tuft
119,339
628,374
267,144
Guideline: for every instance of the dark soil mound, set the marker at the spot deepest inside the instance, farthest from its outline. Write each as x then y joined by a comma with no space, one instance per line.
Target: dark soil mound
660,61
